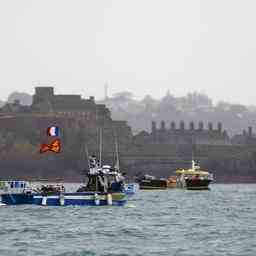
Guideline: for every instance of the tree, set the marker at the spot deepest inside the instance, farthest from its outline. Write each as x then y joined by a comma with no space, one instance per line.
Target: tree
125,95
197,99
149,102
24,98
223,106
168,98
238,109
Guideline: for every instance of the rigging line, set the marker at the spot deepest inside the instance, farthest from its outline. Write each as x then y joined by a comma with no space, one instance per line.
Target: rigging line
100,146
116,150
87,155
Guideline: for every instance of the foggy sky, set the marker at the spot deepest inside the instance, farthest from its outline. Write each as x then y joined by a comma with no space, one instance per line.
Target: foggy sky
143,46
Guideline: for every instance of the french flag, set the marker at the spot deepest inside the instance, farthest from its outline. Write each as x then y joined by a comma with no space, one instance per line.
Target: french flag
53,131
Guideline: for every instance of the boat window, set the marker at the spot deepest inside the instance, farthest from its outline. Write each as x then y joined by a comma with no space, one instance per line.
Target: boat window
16,184
2,185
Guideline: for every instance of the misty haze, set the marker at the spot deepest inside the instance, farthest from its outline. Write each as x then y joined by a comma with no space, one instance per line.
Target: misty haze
127,127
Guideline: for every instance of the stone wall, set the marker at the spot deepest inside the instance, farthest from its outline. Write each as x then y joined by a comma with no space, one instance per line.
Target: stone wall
183,135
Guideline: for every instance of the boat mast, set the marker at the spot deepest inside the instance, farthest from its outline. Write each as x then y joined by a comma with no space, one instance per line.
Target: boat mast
192,153
117,155
87,155
100,147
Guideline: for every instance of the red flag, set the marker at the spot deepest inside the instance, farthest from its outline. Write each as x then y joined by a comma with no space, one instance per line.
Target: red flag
54,146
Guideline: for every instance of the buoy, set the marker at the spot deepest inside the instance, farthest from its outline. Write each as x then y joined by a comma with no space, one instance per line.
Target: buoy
44,200
96,199
62,200
109,199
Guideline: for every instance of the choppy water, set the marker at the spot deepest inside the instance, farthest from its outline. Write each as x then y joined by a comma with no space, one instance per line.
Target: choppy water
174,222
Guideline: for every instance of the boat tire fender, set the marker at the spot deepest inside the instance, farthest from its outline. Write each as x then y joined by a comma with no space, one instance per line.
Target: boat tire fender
62,200
96,199
109,199
44,200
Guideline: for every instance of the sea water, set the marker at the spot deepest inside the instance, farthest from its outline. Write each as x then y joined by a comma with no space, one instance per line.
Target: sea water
221,221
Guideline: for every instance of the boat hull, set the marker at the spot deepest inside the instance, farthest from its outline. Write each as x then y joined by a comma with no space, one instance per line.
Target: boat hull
16,198
65,199
153,184
197,184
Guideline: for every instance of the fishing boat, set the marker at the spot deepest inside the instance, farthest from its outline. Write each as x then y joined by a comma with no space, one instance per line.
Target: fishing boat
151,182
105,186
193,178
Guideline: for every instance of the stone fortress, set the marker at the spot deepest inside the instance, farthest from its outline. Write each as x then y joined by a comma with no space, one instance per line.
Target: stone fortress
158,152
70,110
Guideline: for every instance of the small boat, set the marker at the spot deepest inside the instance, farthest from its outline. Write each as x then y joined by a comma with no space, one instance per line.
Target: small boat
151,182
194,178
130,188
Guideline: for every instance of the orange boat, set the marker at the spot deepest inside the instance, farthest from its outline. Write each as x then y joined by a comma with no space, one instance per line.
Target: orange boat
151,182
171,182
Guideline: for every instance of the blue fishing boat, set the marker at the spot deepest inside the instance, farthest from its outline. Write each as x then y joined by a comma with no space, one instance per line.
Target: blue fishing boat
105,186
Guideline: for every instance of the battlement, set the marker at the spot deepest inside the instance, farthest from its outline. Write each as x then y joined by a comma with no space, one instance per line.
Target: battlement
184,134
182,127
